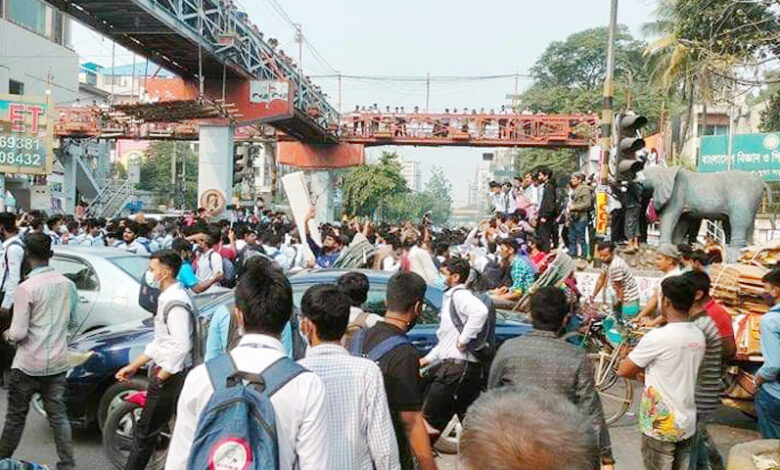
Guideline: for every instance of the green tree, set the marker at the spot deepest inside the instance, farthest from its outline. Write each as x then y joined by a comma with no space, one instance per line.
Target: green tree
439,190
407,207
367,187
156,171
770,117
569,76
560,161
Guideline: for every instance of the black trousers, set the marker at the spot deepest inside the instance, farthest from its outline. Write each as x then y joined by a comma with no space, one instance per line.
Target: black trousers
547,233
453,387
160,405
6,350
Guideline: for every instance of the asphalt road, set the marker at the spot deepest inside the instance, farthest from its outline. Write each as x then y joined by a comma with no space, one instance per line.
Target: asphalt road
731,427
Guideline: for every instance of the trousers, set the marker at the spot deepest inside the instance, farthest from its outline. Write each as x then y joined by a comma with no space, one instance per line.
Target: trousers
21,388
161,401
452,389
660,455
577,231
768,411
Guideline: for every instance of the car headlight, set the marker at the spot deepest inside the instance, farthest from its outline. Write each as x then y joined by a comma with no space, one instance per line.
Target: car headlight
77,358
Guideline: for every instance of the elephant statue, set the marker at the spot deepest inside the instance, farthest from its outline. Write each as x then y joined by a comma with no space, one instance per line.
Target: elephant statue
681,196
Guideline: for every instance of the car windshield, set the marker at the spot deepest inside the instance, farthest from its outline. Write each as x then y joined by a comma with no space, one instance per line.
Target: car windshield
135,266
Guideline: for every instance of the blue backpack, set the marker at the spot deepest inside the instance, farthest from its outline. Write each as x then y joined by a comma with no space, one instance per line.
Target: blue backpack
13,464
377,352
237,429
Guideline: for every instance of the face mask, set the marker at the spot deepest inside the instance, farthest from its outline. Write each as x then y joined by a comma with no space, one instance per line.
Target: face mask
63,229
151,281
768,299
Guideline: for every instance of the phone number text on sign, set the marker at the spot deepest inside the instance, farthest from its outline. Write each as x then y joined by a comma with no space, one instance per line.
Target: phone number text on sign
22,151
25,135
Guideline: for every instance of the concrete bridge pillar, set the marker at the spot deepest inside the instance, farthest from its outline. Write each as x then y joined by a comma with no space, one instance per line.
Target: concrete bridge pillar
215,168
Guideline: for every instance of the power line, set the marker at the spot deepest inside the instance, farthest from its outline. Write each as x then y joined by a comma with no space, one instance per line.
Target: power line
423,78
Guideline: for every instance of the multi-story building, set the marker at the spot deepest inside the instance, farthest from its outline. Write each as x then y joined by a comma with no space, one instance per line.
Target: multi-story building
412,173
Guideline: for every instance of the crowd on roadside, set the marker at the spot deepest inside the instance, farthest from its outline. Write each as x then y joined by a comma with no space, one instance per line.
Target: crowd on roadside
505,123
339,410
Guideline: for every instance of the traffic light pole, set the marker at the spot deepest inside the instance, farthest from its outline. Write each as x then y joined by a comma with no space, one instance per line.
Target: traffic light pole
602,214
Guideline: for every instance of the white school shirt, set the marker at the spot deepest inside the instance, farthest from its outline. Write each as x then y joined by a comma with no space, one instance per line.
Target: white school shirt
172,343
473,314
209,264
299,407
13,253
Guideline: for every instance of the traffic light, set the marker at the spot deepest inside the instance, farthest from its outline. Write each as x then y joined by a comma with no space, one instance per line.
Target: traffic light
242,164
628,144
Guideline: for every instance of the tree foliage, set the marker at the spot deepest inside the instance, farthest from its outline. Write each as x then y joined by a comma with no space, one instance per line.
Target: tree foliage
156,171
439,190
560,161
569,76
367,186
770,117
380,190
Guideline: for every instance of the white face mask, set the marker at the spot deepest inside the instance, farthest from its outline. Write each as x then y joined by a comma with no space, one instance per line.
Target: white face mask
151,281
63,229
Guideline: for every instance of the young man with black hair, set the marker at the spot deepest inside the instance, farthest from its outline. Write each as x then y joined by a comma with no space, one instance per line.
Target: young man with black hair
264,304
670,357
131,242
520,269
400,369
548,210
541,359
709,379
615,270
359,423
11,269
457,375
327,254
209,269
44,307
355,286
171,352
767,378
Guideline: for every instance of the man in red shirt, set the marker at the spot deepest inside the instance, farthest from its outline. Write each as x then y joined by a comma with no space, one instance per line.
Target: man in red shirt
722,320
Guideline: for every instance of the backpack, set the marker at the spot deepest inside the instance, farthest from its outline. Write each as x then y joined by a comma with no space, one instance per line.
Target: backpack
197,335
228,272
380,350
237,428
484,346
18,243
354,326
147,297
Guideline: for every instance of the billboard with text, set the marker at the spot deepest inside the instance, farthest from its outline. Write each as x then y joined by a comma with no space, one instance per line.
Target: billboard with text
758,153
25,135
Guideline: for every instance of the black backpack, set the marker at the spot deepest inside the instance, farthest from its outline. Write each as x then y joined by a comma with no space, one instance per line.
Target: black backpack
484,346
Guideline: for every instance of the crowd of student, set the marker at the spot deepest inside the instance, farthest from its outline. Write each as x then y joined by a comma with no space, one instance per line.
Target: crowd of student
373,408
489,124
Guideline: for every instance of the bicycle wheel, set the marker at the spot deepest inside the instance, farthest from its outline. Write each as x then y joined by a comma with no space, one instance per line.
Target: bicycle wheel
616,393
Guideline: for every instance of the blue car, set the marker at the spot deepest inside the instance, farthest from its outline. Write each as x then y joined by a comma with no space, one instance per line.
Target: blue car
92,389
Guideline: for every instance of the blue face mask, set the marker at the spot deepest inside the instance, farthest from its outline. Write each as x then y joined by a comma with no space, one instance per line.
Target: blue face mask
768,299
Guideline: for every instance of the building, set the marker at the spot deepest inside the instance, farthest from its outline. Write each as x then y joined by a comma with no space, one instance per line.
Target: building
412,173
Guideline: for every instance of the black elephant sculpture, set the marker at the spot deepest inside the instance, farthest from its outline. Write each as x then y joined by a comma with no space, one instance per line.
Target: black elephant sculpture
682,195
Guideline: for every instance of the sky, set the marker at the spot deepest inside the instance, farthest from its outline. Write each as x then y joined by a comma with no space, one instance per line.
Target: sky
412,38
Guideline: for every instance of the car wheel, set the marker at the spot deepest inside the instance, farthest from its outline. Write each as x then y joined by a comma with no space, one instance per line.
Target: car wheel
118,436
450,437
113,396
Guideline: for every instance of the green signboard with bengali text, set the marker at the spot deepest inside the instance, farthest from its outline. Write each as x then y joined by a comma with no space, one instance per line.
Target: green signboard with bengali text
758,153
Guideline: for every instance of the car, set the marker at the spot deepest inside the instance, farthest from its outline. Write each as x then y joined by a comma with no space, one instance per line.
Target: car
107,280
96,356
91,387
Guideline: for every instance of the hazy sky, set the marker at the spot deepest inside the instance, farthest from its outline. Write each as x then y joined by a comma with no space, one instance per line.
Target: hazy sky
412,38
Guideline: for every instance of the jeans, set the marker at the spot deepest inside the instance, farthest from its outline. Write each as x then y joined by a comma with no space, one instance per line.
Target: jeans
20,391
660,455
454,387
706,455
768,411
160,405
577,230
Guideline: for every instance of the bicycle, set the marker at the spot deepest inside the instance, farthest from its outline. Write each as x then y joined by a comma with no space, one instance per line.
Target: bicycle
616,393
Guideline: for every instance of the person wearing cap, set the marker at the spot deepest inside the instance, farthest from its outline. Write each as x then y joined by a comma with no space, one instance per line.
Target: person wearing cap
667,259
579,206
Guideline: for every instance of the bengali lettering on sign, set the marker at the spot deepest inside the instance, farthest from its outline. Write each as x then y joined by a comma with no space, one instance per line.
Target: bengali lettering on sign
758,153
25,135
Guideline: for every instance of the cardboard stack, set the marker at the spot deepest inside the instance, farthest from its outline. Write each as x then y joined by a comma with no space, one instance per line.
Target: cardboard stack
766,255
738,287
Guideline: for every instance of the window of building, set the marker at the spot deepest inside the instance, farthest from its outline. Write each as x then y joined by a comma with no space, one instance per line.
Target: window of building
36,16
15,88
